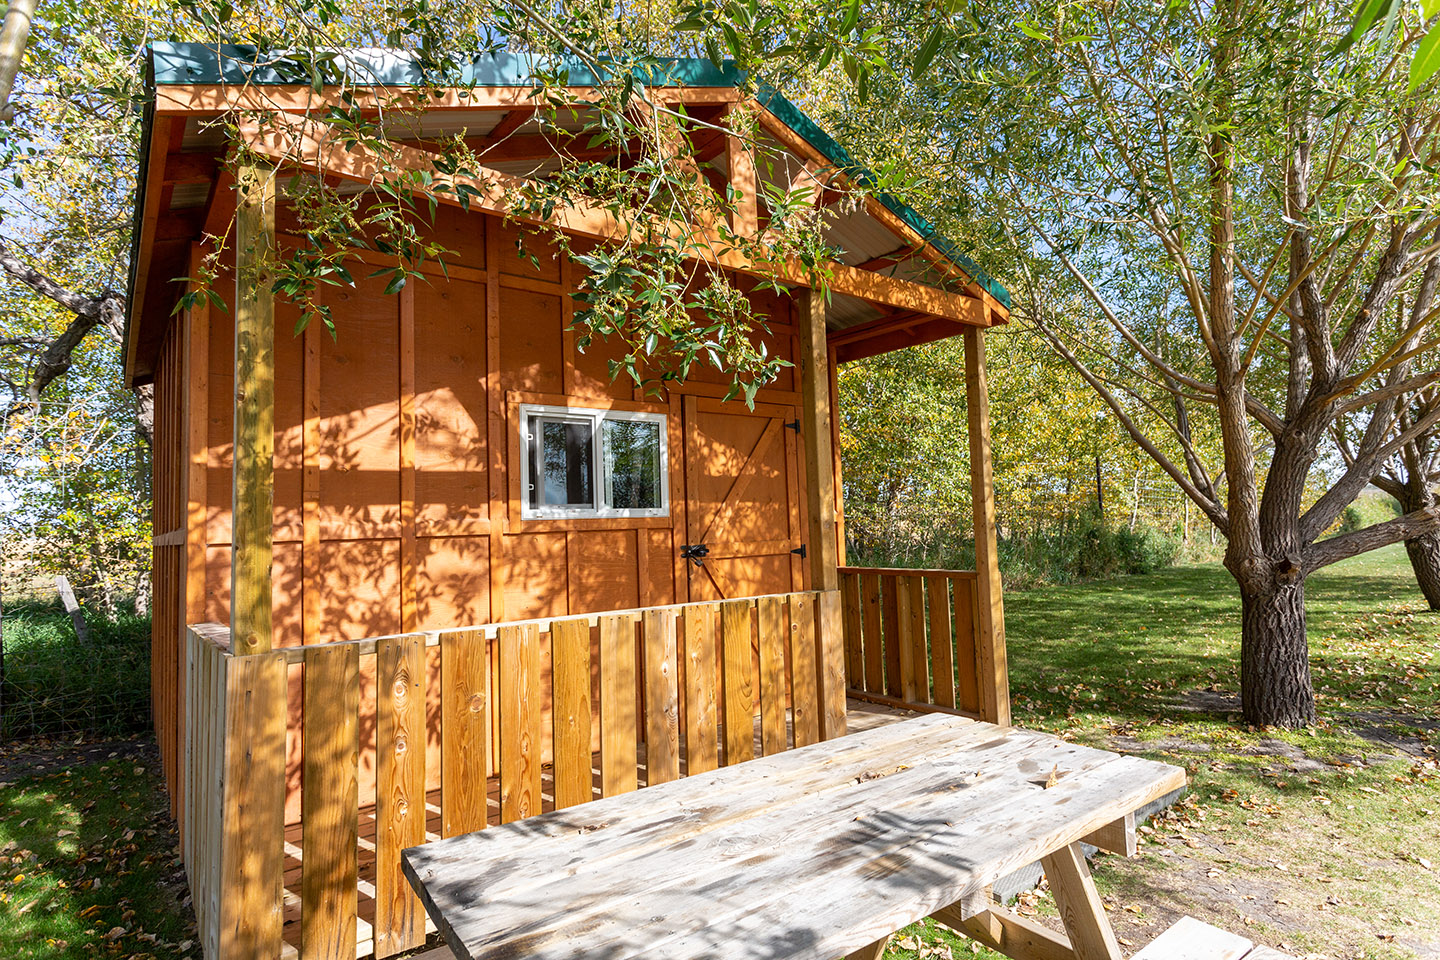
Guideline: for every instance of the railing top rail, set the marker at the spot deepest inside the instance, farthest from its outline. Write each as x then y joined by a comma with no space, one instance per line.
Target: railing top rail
910,572
219,634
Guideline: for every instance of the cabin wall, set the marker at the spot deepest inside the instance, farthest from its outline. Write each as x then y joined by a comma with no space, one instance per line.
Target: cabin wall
396,490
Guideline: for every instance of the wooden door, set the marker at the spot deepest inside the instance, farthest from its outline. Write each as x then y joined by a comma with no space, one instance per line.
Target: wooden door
742,490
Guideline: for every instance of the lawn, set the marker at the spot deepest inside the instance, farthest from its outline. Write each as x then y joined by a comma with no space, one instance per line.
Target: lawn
1323,842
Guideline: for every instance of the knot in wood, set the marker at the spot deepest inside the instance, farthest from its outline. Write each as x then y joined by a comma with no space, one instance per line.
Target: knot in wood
399,689
477,703
400,745
402,807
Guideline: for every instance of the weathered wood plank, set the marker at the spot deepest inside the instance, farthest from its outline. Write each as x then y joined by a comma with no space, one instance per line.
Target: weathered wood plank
702,714
1191,939
1118,837
399,789
771,618
330,803
804,671
662,699
464,733
1011,934
520,747
618,728
739,680
571,714
863,851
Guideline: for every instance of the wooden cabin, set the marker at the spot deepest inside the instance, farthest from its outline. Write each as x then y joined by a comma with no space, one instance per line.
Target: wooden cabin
449,525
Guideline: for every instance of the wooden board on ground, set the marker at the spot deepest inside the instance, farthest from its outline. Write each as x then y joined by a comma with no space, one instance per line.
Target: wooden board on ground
1191,939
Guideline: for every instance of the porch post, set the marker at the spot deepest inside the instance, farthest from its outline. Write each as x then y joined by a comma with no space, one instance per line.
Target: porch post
815,433
994,675
253,494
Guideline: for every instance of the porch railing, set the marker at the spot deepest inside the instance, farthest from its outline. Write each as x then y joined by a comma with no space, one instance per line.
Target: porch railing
912,638
518,718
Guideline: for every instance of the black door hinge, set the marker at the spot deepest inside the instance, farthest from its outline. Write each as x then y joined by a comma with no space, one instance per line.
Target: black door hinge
799,551
793,425
695,553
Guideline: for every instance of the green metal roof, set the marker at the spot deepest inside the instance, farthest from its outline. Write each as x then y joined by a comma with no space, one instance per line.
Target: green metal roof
202,63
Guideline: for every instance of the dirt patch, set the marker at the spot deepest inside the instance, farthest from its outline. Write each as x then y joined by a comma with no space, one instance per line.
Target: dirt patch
32,758
1208,700
1395,731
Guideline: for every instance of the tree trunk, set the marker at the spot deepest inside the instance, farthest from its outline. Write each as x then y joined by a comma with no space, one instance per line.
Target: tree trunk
1424,550
1275,657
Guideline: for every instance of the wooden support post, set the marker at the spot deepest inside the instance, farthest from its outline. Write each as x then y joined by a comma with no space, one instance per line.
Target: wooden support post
254,473
1080,908
815,432
994,675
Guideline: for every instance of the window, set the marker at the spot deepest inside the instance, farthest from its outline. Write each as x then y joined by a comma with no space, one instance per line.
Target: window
579,462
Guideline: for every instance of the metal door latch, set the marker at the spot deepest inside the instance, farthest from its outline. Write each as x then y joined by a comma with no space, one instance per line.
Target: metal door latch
695,553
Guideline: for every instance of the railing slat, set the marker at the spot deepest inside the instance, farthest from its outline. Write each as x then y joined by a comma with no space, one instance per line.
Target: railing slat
617,705
399,789
904,642
702,630
965,654
942,652
739,682
464,738
919,655
520,747
874,648
662,699
890,634
854,646
570,710
331,803
771,612
804,671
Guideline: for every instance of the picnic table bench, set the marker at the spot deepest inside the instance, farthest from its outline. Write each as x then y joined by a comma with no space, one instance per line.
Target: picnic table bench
813,854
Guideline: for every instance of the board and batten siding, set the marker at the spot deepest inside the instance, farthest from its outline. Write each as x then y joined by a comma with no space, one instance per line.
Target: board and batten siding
396,494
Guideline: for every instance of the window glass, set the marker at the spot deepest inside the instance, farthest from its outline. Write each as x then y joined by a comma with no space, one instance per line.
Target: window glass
632,464
565,470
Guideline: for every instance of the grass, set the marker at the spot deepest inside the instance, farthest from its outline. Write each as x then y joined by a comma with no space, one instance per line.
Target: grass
89,865
56,685
1323,842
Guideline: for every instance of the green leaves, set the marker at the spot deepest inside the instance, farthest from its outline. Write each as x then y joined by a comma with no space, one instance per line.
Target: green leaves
1427,57
1368,14
927,51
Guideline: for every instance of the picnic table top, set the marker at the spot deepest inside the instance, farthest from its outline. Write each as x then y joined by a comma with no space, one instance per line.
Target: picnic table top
812,853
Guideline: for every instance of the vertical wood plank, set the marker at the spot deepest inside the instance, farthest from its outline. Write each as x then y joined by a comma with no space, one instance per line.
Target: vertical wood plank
702,715
253,484
196,385
495,440
252,806
919,656
994,680
854,645
967,668
830,648
739,681
399,789
662,699
570,711
873,643
804,672
617,705
409,619
772,622
833,368
464,740
904,639
942,651
1091,936
520,747
331,803
815,432
745,213
890,634
312,579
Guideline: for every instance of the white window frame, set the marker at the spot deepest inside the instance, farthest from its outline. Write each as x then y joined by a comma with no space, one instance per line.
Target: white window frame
597,418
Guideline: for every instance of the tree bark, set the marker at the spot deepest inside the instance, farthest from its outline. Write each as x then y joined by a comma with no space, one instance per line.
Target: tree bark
1424,550
1275,656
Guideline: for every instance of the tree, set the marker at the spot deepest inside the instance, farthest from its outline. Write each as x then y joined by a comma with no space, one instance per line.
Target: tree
1241,203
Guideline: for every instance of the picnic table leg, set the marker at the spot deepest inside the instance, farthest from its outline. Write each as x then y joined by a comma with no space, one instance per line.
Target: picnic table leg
1079,903
873,952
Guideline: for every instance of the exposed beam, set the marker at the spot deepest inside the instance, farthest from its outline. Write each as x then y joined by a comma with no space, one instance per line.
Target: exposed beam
190,167
909,334
302,142
511,122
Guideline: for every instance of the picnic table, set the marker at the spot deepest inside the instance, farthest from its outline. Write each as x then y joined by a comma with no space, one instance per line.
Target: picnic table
817,853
